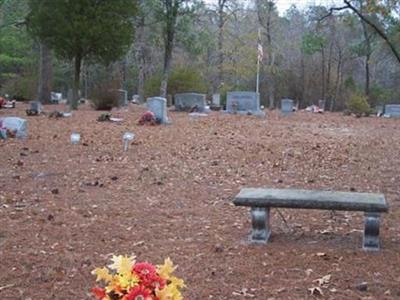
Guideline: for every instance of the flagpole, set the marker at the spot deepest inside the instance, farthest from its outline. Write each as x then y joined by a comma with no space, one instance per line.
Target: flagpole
258,75
258,62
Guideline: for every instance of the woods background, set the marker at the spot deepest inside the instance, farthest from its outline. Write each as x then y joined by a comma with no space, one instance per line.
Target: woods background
182,46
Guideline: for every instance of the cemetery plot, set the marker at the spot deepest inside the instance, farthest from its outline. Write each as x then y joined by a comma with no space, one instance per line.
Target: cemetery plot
65,208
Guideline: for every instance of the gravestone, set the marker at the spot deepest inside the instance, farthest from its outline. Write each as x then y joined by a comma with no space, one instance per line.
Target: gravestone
18,125
158,106
122,97
188,101
287,106
321,104
245,103
36,107
56,97
135,99
392,110
169,100
216,100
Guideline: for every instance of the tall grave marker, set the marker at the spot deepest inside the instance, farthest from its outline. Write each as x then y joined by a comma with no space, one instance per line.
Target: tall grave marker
158,106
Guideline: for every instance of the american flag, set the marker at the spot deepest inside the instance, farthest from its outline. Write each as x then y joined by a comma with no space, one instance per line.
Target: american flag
260,52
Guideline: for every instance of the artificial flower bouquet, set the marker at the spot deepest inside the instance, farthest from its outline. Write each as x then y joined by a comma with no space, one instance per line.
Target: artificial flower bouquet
126,279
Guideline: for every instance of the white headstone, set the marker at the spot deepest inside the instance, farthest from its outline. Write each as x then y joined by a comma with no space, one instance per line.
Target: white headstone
216,100
158,106
392,110
16,124
56,97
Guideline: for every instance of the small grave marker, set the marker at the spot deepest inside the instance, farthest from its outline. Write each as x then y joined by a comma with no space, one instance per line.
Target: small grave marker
36,107
127,138
158,106
287,106
75,138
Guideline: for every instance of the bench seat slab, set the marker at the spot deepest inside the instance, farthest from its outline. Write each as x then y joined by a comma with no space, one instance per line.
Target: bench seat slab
309,199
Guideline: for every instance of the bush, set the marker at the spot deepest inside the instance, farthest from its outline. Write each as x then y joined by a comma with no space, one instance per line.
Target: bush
21,88
379,95
104,97
181,80
358,105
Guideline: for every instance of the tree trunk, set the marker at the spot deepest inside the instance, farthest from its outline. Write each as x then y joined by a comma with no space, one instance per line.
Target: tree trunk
167,68
172,8
140,57
323,73
45,75
271,59
367,76
337,83
264,13
221,22
75,91
328,71
367,58
303,80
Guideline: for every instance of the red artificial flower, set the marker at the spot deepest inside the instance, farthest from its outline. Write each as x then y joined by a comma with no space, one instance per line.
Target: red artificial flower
148,276
99,293
139,292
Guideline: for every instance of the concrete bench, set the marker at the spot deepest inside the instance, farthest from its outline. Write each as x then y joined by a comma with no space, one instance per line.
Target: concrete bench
261,200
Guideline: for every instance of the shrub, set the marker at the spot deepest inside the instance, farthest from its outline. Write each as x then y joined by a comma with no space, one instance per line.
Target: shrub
21,88
181,80
358,105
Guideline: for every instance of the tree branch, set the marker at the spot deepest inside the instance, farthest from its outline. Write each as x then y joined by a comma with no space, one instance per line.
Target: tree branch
381,33
331,10
376,28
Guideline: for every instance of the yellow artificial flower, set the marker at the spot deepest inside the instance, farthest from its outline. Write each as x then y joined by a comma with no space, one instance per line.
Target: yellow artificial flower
175,281
166,269
122,264
127,281
102,274
170,292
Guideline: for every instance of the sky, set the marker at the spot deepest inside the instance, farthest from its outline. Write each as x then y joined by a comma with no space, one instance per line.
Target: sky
283,5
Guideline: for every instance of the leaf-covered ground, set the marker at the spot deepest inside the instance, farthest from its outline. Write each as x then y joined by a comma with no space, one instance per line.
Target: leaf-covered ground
64,209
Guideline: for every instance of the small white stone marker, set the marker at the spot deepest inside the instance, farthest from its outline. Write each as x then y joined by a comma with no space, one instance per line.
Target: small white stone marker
75,138
127,137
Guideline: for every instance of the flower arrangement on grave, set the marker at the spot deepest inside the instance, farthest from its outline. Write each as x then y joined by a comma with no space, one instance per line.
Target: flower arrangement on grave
126,279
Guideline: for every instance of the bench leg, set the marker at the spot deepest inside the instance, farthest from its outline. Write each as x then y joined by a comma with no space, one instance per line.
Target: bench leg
371,232
260,231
